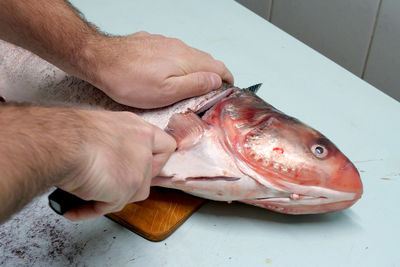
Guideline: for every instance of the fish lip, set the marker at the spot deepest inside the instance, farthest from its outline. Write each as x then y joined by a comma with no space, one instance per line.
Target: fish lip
305,207
290,197
304,199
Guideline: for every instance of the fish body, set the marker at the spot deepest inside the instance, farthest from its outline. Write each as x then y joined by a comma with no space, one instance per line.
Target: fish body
232,145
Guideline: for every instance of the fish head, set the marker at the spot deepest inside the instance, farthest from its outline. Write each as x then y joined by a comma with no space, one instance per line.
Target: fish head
310,174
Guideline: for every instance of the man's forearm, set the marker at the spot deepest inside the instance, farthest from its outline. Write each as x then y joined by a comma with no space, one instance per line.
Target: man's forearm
38,148
52,29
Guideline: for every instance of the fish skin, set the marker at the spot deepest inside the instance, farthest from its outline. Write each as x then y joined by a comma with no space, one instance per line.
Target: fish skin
241,149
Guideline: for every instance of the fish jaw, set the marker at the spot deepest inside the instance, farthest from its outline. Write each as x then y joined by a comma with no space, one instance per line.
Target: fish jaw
342,189
291,198
312,206
307,200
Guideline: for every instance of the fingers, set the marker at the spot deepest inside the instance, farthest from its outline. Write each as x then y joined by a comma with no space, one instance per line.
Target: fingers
208,64
97,208
205,62
142,193
200,61
207,76
194,84
223,72
163,142
159,160
92,210
164,145
140,34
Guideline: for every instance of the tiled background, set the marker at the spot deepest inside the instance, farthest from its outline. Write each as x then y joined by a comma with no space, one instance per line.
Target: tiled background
363,36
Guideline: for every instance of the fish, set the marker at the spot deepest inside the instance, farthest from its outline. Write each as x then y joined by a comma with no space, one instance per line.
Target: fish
231,144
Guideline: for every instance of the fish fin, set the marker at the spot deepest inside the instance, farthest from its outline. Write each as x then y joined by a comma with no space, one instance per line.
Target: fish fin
186,128
254,88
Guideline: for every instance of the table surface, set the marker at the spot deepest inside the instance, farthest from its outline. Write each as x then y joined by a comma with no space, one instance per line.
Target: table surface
362,121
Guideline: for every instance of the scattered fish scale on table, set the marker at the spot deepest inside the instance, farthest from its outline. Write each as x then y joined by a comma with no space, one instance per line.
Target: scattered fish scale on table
232,145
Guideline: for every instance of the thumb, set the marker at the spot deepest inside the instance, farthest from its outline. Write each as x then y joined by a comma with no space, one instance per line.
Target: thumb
194,84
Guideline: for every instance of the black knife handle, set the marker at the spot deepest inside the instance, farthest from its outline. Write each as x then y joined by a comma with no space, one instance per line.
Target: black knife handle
61,201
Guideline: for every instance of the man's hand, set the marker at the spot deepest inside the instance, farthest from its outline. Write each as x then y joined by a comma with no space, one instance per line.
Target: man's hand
123,154
108,157
148,70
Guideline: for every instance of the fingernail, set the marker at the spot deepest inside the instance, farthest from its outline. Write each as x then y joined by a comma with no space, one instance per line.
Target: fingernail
215,81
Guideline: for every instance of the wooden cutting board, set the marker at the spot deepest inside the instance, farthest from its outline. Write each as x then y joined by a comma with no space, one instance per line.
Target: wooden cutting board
160,215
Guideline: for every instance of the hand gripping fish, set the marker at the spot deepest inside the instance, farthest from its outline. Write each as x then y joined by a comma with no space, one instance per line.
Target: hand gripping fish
232,145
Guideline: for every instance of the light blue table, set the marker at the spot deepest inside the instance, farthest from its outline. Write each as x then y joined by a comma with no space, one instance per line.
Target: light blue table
361,120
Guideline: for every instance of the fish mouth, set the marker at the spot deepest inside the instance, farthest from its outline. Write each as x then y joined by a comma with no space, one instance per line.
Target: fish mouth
299,204
291,197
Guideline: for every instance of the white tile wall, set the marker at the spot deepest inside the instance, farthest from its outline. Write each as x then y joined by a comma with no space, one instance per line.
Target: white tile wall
339,29
361,35
260,7
383,65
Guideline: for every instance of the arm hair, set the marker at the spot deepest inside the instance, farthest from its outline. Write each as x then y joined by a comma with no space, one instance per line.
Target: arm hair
39,147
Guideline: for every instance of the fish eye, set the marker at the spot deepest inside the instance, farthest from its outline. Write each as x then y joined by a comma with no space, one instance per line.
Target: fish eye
319,151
